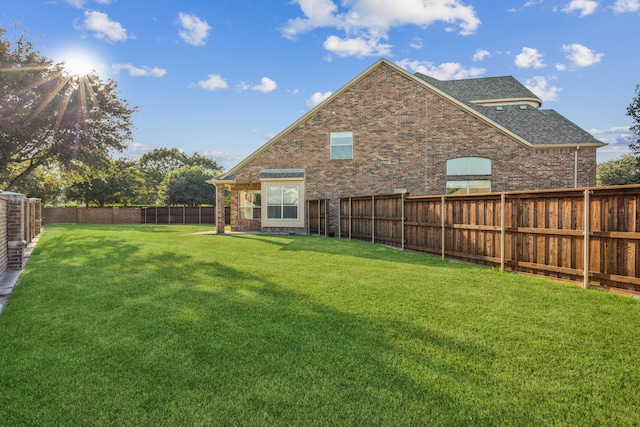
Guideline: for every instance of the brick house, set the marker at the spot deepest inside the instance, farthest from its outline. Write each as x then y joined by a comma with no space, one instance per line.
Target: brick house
388,130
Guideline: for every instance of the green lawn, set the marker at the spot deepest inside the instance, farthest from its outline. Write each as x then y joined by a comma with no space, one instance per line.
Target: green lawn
157,325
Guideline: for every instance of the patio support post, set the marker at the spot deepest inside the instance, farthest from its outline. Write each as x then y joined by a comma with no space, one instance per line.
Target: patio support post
219,212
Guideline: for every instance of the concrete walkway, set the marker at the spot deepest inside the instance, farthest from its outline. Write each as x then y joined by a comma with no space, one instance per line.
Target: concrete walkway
9,279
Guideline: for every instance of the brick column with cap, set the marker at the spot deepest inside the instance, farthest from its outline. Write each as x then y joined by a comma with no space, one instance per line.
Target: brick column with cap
220,217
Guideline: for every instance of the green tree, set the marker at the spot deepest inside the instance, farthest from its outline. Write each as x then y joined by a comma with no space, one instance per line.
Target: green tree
45,183
187,186
119,183
157,164
48,115
624,170
633,111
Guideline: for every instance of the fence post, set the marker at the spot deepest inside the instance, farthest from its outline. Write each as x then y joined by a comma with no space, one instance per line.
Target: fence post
184,215
442,224
199,214
402,220
350,219
339,218
319,217
326,218
503,198
373,219
587,224
308,218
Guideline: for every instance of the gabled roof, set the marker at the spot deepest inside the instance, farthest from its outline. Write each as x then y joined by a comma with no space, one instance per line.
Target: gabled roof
507,102
486,90
539,127
480,97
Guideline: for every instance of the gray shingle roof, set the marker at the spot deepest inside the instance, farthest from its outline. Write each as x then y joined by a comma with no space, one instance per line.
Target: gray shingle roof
538,127
484,88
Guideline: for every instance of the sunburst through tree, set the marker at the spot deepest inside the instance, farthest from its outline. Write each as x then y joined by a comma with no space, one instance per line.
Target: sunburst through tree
49,113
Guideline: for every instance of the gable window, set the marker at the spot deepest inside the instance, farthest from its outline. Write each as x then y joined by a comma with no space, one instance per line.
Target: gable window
250,204
282,202
464,167
469,166
341,145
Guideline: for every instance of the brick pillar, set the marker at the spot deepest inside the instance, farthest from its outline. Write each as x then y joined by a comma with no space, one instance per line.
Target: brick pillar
16,239
220,223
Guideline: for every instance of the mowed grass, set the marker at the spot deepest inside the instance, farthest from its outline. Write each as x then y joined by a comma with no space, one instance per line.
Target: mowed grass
157,325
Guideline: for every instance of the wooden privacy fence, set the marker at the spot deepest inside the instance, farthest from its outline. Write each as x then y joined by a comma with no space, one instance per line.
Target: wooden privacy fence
588,235
318,217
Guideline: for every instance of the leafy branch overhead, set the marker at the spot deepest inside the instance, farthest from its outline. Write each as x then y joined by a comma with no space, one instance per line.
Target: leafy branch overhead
48,115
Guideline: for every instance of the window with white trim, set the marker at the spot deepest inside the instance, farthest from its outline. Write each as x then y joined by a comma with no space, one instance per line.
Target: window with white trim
282,202
249,204
341,145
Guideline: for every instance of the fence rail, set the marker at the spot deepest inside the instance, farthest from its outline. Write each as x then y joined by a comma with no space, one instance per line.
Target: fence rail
588,235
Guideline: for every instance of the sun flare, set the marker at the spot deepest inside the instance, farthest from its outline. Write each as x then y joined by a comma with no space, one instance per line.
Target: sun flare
80,62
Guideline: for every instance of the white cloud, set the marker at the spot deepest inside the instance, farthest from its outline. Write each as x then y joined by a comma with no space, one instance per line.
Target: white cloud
581,56
529,58
623,6
266,85
480,55
445,71
140,71
80,3
76,3
318,13
366,22
317,98
103,27
585,7
617,139
194,30
213,82
541,87
357,47
416,43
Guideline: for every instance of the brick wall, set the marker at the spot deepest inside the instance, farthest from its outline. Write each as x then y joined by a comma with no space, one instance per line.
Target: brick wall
403,135
75,215
3,234
18,227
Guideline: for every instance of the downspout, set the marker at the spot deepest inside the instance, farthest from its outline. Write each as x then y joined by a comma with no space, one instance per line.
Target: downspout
575,168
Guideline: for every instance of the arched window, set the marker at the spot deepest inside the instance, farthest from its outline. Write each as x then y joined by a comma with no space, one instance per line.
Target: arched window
469,166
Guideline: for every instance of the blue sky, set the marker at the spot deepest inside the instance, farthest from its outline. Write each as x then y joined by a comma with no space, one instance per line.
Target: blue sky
222,77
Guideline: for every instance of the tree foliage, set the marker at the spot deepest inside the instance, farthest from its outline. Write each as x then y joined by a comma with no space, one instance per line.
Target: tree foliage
187,186
45,183
633,111
624,170
156,165
47,115
120,182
